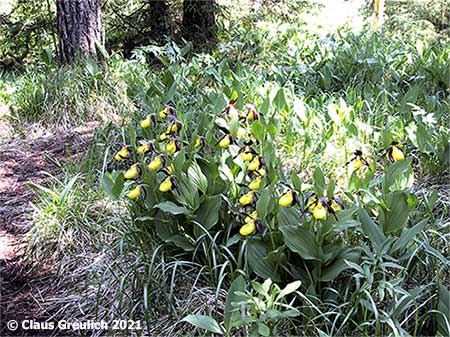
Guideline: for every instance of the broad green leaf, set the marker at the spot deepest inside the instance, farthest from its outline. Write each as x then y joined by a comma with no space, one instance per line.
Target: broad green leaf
395,214
231,315
102,50
171,92
208,212
257,251
182,242
296,182
47,56
258,130
234,95
393,171
338,265
44,190
233,126
266,285
302,241
179,160
186,192
443,308
371,229
117,187
345,224
280,101
330,189
198,178
408,235
262,205
290,288
204,322
319,180
172,208
263,329
288,216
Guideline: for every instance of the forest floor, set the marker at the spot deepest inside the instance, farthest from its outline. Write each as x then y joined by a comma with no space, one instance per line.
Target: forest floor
21,161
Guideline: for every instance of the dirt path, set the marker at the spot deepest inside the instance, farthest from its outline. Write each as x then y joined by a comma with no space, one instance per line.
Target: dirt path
22,160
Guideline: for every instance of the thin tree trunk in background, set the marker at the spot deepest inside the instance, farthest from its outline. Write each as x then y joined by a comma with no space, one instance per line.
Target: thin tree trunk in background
199,19
158,19
379,13
55,43
79,28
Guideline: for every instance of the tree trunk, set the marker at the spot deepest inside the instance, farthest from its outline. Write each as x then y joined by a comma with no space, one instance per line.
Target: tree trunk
379,13
199,19
79,28
158,19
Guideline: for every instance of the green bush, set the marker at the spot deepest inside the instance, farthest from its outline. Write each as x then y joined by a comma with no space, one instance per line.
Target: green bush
192,190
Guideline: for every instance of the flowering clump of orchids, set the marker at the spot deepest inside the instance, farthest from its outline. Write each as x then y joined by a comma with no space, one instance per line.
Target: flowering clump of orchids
172,144
162,141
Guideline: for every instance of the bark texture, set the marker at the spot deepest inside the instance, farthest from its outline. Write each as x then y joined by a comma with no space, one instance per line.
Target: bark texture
79,28
199,19
158,19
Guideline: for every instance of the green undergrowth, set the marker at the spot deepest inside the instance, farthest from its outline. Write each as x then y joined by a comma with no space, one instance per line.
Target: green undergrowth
380,266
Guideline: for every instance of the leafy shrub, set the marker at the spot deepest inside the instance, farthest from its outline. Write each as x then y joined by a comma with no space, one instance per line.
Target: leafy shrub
193,190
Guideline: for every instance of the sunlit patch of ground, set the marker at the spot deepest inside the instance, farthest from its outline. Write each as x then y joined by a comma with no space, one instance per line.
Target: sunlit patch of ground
334,14
6,6
7,244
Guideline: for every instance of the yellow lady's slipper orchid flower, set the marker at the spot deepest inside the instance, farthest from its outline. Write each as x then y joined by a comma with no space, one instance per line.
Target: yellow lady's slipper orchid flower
132,172
252,114
134,193
396,153
319,211
123,153
198,142
155,164
248,228
247,156
251,217
145,123
171,146
247,198
311,200
261,172
225,141
172,128
166,185
255,184
164,136
170,169
357,163
335,206
286,199
163,113
143,149
231,110
254,164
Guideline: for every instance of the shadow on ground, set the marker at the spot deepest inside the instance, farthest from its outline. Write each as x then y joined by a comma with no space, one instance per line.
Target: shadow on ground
23,289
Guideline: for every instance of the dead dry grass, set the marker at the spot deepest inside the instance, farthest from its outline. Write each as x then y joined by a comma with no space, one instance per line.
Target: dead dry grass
24,290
